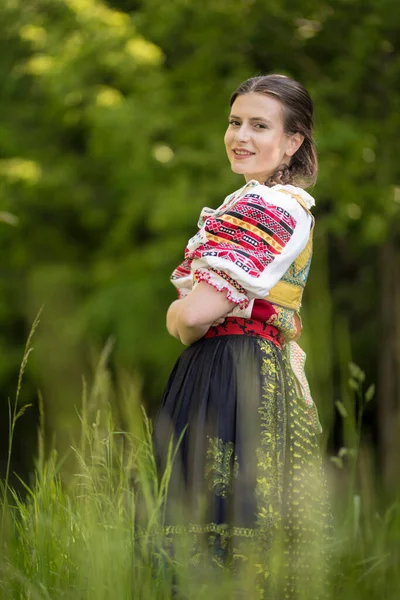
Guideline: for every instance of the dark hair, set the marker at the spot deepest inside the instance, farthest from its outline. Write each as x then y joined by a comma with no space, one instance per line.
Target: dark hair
298,118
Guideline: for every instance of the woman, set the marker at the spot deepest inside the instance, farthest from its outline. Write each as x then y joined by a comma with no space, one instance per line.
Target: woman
247,478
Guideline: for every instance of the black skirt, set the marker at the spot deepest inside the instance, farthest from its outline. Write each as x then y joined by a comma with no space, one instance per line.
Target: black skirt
247,483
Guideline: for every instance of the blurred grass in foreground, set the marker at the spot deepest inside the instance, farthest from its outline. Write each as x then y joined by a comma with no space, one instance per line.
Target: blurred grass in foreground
96,533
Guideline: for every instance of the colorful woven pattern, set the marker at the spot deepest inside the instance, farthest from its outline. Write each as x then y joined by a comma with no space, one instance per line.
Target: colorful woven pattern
250,234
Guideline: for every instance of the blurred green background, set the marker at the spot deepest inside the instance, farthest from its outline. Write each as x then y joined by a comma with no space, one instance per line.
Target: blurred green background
112,118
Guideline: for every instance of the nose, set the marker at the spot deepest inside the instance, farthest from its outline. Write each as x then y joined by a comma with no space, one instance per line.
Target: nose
243,133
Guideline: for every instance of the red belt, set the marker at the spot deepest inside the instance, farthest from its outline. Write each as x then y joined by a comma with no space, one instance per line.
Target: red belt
240,326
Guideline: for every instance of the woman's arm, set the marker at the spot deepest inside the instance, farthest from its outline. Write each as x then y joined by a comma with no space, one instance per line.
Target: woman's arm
190,318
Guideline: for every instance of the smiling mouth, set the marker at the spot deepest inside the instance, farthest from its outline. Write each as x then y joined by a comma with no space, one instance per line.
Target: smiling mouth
243,153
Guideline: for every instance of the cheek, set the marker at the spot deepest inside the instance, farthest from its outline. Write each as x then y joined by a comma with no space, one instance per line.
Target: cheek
271,146
228,138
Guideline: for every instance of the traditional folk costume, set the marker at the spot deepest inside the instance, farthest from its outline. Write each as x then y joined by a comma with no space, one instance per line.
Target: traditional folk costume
247,477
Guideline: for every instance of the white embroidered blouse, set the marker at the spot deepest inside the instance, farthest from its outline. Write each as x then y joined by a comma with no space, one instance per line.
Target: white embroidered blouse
247,244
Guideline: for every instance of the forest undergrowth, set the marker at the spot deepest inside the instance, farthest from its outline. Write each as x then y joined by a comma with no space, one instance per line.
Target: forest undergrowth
93,531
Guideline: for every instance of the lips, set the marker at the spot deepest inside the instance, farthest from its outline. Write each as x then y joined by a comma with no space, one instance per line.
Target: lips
242,153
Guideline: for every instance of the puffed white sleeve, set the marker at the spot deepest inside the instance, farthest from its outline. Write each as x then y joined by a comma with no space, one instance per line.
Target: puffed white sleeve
182,278
248,248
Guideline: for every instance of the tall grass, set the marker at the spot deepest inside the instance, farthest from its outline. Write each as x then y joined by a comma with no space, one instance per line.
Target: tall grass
98,533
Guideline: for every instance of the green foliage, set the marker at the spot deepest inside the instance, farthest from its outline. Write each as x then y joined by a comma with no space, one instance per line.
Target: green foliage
109,149
83,116
96,530
113,116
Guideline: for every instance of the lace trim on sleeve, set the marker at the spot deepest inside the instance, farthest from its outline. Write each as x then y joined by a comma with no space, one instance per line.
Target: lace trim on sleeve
182,293
222,282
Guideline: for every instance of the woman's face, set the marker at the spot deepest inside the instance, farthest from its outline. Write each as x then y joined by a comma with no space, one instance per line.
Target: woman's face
255,141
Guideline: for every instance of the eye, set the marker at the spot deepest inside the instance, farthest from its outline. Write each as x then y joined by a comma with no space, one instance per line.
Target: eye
234,123
260,126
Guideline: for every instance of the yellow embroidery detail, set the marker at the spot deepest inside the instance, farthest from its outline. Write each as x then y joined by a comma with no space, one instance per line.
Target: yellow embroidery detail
221,466
305,256
286,294
219,240
270,453
254,229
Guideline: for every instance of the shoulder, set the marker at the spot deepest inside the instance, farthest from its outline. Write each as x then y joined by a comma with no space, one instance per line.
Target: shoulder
282,194
297,193
288,198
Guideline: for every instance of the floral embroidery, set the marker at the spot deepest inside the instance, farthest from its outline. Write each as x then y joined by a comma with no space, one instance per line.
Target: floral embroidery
271,451
221,466
241,326
284,320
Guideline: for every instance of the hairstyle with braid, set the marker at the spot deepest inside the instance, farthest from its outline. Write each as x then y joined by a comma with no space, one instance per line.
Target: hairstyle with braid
298,111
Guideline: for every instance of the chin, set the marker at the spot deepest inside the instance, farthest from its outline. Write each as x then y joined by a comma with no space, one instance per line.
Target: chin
246,173
239,169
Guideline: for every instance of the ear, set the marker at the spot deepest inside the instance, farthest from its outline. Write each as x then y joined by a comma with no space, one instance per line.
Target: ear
294,143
